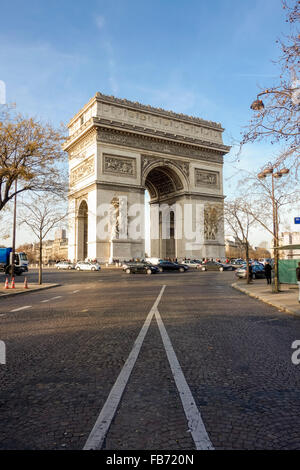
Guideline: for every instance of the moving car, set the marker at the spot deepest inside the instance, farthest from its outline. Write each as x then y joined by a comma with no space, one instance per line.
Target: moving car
169,266
64,265
215,266
258,271
87,266
192,263
140,267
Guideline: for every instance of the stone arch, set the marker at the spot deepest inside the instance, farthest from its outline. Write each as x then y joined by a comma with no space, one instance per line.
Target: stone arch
165,182
82,230
164,179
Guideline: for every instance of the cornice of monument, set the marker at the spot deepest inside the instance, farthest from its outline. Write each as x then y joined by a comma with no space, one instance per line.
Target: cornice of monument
135,105
142,133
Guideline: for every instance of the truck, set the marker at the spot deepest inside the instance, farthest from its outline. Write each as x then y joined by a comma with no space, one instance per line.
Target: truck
21,261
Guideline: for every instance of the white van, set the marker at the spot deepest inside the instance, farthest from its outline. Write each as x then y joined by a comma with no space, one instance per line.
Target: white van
154,261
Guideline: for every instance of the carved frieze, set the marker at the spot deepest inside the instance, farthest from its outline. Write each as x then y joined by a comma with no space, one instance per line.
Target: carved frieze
207,178
79,149
119,165
83,170
157,145
158,119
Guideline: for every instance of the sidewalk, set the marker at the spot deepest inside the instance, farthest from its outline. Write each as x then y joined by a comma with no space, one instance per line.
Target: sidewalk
19,289
286,299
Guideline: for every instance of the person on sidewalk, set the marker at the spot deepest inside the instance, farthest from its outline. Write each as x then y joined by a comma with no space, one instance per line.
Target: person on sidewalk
268,272
250,273
298,279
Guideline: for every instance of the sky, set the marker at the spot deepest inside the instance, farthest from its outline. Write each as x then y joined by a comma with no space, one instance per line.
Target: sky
199,57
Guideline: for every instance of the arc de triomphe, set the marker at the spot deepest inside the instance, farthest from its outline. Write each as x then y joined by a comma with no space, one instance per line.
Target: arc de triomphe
117,149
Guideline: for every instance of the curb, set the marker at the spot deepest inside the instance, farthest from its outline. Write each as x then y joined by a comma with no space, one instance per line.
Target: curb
262,299
28,291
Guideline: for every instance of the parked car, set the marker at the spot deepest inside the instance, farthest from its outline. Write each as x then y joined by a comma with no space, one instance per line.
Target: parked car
87,266
192,263
64,265
237,263
258,271
140,267
169,266
215,266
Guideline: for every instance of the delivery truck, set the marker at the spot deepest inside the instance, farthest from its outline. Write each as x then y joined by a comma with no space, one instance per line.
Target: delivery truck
21,261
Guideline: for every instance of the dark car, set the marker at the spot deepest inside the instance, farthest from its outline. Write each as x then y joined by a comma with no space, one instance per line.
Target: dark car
169,266
215,266
140,267
258,271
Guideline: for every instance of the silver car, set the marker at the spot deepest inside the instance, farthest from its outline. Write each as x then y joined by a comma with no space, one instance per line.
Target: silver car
87,266
64,265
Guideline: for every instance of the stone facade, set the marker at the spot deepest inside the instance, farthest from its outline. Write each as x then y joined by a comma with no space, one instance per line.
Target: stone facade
117,149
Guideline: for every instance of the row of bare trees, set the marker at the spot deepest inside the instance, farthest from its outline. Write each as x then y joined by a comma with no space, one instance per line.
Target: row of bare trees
32,171
253,209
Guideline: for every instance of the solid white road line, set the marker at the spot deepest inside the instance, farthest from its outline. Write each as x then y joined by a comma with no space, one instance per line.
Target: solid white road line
98,433
195,423
21,308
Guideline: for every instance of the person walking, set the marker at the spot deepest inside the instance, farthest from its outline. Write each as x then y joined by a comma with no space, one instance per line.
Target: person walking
298,279
268,272
250,273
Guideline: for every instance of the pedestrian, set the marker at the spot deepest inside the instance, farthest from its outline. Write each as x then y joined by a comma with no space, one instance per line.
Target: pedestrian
250,273
268,272
298,280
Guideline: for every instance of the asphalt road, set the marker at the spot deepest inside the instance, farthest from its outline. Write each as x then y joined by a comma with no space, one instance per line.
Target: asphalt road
66,349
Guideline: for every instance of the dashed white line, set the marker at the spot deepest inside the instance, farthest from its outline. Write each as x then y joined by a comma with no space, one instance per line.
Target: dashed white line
75,291
98,433
52,298
21,308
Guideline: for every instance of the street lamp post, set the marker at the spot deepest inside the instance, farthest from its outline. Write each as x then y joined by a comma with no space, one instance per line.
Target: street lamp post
277,174
14,233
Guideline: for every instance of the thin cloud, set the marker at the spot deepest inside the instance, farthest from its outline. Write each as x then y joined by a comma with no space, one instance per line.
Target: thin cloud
100,21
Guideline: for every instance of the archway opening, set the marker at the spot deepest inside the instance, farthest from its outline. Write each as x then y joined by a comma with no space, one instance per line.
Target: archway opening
162,187
82,219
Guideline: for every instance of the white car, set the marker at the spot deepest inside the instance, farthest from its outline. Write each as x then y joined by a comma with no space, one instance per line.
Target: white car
64,265
192,264
87,266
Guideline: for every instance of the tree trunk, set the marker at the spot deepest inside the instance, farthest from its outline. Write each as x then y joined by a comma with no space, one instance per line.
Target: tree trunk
40,261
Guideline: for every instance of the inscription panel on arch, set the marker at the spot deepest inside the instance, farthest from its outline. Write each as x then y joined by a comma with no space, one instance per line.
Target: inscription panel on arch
119,165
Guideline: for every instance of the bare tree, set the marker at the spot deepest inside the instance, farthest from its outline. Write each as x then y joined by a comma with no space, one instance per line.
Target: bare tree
239,220
41,215
277,107
268,198
30,157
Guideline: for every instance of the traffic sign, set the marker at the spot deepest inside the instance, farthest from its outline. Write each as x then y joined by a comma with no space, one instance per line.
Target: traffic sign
297,220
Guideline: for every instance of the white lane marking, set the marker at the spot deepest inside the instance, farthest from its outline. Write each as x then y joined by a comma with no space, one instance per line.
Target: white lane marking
45,300
85,310
21,308
75,291
98,433
57,297
195,423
